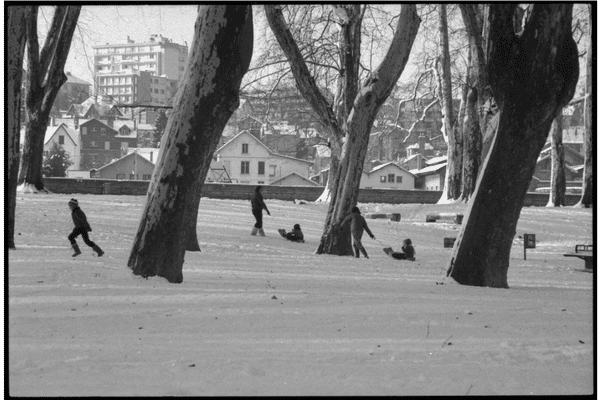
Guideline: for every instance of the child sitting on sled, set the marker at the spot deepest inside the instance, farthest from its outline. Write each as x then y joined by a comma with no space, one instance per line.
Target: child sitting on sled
295,235
408,251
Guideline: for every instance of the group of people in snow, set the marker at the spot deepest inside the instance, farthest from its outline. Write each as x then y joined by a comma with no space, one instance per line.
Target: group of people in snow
358,225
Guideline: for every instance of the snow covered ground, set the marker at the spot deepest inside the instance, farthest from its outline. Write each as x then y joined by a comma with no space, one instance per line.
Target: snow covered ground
264,316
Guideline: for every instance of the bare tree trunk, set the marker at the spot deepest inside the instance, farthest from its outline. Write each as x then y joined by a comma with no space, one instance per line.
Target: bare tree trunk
558,184
45,76
452,135
209,94
474,18
472,146
533,76
587,192
354,113
16,36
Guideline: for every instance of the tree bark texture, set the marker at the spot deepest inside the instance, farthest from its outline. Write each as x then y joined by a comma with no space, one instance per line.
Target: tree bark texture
558,184
474,18
587,192
452,135
355,112
45,76
472,146
209,94
533,76
16,36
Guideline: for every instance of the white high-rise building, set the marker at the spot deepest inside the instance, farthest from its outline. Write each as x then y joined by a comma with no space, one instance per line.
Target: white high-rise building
145,73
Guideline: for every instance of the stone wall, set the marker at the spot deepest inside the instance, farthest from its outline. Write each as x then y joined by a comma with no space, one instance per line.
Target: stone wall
288,193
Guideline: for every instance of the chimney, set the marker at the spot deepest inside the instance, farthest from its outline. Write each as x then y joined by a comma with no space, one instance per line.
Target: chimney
53,121
76,122
422,144
151,153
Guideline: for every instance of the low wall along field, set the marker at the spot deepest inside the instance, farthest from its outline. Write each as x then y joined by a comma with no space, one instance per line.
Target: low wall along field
288,193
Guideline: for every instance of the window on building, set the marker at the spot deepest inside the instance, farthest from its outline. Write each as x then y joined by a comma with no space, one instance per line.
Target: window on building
120,176
124,146
398,179
61,139
261,167
146,177
383,178
103,131
391,178
272,170
93,128
106,145
245,167
84,130
132,177
244,148
93,143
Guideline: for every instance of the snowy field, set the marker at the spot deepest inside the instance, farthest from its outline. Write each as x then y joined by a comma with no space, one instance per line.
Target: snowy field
264,316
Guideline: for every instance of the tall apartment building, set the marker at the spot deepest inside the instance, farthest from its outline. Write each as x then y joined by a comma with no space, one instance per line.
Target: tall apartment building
139,73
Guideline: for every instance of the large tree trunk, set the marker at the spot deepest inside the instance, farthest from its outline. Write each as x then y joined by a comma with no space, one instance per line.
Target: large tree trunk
45,76
208,95
558,184
587,192
533,76
452,135
16,36
472,146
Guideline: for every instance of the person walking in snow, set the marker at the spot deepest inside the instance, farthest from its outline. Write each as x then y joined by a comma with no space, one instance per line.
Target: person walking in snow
258,204
357,227
82,227
408,251
295,235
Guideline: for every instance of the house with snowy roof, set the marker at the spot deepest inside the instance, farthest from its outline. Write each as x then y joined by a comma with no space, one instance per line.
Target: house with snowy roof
388,176
129,167
67,138
247,160
433,176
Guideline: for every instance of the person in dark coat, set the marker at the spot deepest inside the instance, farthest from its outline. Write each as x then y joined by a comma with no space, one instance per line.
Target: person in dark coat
408,251
258,204
295,235
82,227
357,227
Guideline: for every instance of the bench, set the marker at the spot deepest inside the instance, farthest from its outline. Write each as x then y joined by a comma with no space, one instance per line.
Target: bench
391,216
457,218
586,253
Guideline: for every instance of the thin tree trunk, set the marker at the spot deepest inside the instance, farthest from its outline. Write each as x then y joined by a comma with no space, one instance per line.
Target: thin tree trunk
45,76
451,133
533,76
208,96
472,146
16,36
557,177
587,190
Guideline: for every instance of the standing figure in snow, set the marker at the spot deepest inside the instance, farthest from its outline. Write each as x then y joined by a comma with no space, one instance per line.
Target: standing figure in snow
295,235
258,204
408,251
82,227
358,226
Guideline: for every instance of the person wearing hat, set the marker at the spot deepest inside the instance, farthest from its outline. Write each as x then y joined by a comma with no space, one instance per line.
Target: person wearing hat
82,227
407,253
258,204
357,227
295,235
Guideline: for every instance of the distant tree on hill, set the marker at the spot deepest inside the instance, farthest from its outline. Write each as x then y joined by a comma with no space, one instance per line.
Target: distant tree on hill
56,162
159,128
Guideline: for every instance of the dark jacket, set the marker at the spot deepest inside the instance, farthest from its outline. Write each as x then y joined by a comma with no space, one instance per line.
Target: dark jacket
358,225
295,235
80,220
258,203
409,251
